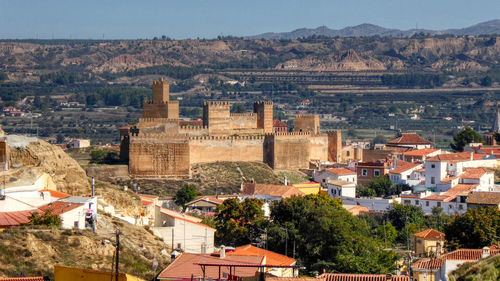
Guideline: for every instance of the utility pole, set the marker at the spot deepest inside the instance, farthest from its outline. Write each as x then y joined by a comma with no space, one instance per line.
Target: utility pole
117,253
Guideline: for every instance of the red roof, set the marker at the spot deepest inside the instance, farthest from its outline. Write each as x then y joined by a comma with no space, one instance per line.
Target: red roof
186,265
459,156
271,257
475,173
16,218
459,255
421,152
459,189
404,168
341,171
59,207
278,123
430,234
361,277
55,193
409,139
38,278
146,203
284,191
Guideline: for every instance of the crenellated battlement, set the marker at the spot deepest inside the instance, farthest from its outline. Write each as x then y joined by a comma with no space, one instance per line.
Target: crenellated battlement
216,103
164,137
160,83
264,102
157,120
285,134
245,114
332,133
226,138
307,116
193,128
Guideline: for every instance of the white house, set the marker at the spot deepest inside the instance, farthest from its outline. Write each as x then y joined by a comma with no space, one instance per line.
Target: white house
409,140
79,143
341,174
340,188
183,231
72,214
446,170
403,174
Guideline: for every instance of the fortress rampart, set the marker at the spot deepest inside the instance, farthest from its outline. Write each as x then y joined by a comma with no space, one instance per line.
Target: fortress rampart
159,147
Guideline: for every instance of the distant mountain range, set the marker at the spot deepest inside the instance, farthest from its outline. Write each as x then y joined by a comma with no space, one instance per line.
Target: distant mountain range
365,29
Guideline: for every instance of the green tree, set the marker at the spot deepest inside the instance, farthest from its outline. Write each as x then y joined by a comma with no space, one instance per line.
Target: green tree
59,138
363,191
184,195
47,219
387,232
240,223
464,137
97,156
381,185
324,235
401,215
486,82
477,228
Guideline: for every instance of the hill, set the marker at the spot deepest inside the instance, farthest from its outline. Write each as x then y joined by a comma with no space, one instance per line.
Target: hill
26,251
487,269
366,29
220,177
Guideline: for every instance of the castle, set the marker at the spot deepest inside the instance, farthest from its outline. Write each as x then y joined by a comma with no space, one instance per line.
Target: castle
160,145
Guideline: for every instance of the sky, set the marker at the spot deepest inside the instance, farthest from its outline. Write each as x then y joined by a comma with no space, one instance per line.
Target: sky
179,19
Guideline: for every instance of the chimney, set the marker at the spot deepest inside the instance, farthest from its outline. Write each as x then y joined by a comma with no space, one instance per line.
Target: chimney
222,253
486,252
241,186
438,250
93,184
285,181
471,156
395,162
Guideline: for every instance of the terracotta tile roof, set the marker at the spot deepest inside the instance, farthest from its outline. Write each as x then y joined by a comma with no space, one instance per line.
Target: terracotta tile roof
15,218
272,278
404,168
186,265
436,197
361,277
430,234
421,152
278,123
38,278
458,255
146,202
459,156
184,217
409,139
428,264
147,196
55,193
474,173
485,198
448,179
341,171
59,207
271,257
284,191
459,189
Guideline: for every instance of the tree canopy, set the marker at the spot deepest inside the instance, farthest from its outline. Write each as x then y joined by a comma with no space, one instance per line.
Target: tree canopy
185,194
477,228
325,236
464,137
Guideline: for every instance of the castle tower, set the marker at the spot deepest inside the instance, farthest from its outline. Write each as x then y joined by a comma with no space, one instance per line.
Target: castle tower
335,146
161,91
161,106
307,123
216,116
264,110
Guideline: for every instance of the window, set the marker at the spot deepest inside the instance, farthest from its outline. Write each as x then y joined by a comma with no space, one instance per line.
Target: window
348,153
460,207
76,224
324,180
407,202
364,172
439,204
433,166
433,180
427,203
416,202
376,172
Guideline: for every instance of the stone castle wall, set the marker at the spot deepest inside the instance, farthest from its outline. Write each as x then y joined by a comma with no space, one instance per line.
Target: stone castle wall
159,156
243,121
288,151
216,116
307,123
228,148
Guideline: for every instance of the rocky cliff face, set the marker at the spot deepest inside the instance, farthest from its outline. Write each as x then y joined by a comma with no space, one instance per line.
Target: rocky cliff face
336,54
42,157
